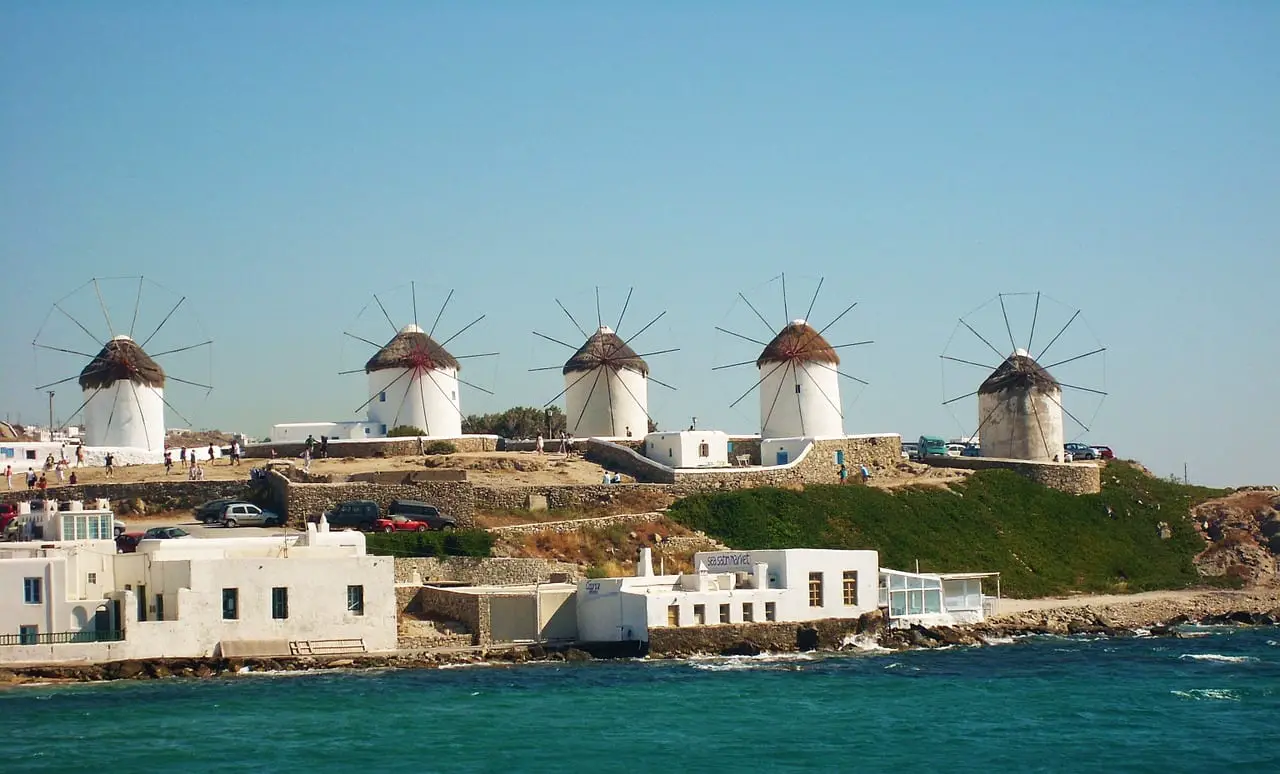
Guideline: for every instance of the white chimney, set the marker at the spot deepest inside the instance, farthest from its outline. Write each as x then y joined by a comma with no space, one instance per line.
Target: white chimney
644,567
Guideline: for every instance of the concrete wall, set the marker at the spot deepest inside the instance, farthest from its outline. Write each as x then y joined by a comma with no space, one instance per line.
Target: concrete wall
1072,478
471,610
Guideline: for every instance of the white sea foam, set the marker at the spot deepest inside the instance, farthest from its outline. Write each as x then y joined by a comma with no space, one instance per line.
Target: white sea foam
1210,694
1217,657
760,661
998,640
863,643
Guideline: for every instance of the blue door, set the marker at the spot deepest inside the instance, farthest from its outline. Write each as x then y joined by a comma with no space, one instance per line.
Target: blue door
839,456
782,457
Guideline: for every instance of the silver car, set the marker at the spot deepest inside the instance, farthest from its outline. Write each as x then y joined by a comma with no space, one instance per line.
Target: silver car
249,515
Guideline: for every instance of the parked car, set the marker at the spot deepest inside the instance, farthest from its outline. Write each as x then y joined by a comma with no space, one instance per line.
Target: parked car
400,524
249,515
211,512
932,446
1104,452
8,512
971,450
165,533
127,542
423,512
910,450
120,527
1080,451
358,514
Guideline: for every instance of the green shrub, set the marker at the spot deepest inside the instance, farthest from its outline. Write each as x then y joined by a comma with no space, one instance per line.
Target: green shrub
405,431
596,572
440,447
1042,541
462,542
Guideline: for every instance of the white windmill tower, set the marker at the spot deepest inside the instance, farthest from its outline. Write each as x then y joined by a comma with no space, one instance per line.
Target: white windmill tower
799,376
413,380
606,382
123,387
1020,405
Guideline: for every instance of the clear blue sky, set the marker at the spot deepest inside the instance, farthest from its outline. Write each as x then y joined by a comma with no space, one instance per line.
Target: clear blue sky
280,165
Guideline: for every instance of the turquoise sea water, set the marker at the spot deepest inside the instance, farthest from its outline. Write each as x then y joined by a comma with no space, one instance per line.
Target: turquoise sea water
1206,704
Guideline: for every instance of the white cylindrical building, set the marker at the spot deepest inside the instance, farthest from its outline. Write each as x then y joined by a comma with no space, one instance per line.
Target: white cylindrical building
799,387
1020,411
124,393
414,381
606,389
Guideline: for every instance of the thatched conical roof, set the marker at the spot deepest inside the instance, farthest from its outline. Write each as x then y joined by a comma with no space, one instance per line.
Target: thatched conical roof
121,359
1019,371
411,348
605,348
798,342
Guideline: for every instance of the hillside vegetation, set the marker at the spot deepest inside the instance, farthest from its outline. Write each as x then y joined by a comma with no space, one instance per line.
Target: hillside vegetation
1134,536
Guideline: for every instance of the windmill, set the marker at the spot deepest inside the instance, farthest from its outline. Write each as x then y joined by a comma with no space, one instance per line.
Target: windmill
1020,405
123,386
412,379
606,382
799,384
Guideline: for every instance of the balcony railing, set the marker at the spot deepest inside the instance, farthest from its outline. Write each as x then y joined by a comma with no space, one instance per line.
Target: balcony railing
61,638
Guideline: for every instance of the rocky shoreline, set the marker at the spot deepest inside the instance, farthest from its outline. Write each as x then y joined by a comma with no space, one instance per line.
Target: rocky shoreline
1156,617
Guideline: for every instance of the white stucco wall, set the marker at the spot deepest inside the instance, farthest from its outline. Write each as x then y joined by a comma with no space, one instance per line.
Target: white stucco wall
297,432
813,411
619,402
125,415
69,598
615,609
429,400
1021,425
681,449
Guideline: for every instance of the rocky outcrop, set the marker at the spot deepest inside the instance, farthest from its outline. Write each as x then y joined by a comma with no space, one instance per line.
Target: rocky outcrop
1243,535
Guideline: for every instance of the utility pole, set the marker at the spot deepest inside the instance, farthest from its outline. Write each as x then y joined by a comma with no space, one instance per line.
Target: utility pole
1185,478
50,415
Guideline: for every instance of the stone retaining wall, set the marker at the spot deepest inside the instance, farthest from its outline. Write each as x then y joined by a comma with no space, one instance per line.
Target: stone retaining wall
302,501
747,639
501,498
477,571
399,447
471,610
1070,477
626,459
156,496
574,525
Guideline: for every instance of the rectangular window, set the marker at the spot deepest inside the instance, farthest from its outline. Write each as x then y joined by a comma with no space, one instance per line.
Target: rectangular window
699,614
724,614
230,604
142,603
704,450
33,591
748,612
770,611
93,577
851,587
815,589
797,389
280,602
159,607
28,635
673,615
355,600
382,397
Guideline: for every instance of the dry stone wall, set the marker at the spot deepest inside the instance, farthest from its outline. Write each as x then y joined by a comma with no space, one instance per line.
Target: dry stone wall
471,610
302,501
574,525
1070,477
477,571
154,496
560,497
376,448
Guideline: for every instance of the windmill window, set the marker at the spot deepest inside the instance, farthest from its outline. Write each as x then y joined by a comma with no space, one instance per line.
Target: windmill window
797,389
382,397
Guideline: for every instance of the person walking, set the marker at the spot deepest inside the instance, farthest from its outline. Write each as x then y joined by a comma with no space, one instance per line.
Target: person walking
8,476
60,467
844,473
210,454
324,447
311,444
79,456
110,463
306,459
31,479
42,484
866,474
235,452
168,462
538,444
182,456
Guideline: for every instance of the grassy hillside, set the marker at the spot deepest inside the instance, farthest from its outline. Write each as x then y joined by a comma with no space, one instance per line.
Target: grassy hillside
1043,541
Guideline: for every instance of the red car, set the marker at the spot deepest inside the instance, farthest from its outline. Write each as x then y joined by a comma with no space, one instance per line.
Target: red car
1104,452
401,524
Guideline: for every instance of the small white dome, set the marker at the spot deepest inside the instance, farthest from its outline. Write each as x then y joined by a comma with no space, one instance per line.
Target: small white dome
412,328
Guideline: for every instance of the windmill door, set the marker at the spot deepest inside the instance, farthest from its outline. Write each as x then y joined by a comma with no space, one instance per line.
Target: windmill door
783,457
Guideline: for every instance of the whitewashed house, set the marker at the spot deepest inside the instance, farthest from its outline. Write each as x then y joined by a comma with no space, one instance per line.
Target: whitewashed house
792,585
314,593
688,449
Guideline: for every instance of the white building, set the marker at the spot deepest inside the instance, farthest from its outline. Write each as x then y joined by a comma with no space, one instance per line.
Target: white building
264,596
124,393
792,585
606,389
1020,411
799,386
688,449
297,432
